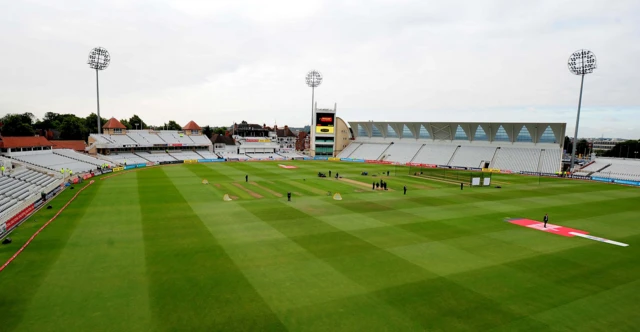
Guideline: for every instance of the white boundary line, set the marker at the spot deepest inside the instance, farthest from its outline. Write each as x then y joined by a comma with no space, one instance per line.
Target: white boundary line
595,238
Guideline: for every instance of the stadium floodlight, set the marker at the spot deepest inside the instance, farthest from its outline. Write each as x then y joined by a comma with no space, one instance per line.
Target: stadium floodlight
581,62
314,79
99,59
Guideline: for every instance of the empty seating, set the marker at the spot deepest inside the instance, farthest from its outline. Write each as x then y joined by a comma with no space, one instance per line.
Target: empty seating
473,156
207,155
290,155
21,185
438,154
185,155
551,161
401,152
621,169
369,151
265,156
517,159
128,158
349,150
55,162
80,157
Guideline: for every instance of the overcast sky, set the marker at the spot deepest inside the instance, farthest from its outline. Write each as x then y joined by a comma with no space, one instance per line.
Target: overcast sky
217,62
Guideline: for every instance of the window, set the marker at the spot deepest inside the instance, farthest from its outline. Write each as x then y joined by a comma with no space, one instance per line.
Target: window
460,134
391,132
524,135
375,132
406,132
117,131
480,135
362,132
501,135
424,133
548,136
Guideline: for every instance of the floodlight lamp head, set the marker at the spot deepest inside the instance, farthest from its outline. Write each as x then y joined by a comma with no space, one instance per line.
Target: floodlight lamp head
582,62
99,58
314,78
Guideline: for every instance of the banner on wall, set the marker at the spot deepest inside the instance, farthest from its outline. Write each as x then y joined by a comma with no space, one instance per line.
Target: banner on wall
334,159
13,221
118,169
191,161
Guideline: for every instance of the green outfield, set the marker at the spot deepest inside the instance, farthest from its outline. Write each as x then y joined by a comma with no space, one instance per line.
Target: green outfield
157,250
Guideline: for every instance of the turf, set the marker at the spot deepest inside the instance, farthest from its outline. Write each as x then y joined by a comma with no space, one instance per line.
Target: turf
155,249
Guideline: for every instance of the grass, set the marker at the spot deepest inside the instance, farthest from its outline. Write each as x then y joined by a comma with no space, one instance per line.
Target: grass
157,250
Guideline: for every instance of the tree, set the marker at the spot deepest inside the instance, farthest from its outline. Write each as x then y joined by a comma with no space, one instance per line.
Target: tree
626,149
207,131
172,125
91,123
219,130
126,123
18,124
51,120
567,144
73,128
136,122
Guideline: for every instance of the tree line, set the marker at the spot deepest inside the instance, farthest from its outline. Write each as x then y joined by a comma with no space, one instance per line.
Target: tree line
72,127
624,149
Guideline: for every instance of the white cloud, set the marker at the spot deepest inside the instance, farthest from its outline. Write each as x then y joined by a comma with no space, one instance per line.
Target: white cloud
222,61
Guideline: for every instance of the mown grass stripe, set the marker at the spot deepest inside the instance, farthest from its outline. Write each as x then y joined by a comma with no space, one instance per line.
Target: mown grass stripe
192,281
105,240
21,281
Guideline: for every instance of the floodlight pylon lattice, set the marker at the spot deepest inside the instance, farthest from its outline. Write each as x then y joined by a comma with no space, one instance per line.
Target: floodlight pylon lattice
99,59
581,62
314,79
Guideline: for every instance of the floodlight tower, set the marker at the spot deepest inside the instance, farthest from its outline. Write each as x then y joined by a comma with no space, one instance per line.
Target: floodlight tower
581,62
314,79
99,59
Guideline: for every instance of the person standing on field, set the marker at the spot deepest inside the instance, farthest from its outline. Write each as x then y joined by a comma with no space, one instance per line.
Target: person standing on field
246,178
405,190
546,219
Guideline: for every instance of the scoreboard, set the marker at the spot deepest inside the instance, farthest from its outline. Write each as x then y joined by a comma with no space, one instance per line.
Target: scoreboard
325,123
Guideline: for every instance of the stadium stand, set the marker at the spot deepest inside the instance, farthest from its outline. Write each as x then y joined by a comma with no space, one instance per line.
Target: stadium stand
346,153
401,152
515,147
549,161
615,168
265,156
21,185
517,159
235,156
184,155
292,155
437,154
51,161
207,155
370,151
473,156
80,157
175,137
125,157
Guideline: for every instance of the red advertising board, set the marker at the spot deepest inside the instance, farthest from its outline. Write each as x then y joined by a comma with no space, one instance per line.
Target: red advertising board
382,162
422,165
176,144
18,217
